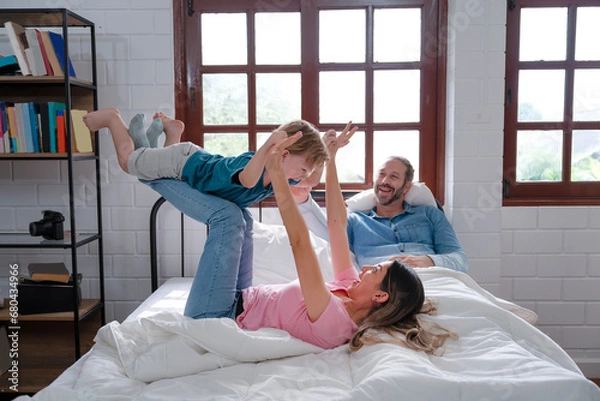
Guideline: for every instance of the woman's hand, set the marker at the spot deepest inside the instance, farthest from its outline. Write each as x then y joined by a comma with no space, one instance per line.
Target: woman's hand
275,152
334,142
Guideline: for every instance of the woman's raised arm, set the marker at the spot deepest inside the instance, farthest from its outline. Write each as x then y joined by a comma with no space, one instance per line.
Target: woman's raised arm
337,216
315,293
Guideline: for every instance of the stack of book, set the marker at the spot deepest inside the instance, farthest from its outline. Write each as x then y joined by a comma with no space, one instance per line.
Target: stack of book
31,127
38,52
49,289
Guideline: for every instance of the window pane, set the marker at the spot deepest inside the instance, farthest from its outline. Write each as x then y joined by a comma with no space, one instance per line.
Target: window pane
543,34
342,97
397,34
225,98
277,38
586,95
224,39
541,95
539,155
342,36
226,144
278,98
588,31
396,143
350,160
586,156
397,96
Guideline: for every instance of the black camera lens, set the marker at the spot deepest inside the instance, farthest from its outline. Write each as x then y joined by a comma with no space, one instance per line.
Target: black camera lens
50,227
37,228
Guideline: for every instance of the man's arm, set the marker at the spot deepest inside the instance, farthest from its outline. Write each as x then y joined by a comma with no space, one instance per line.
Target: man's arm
314,216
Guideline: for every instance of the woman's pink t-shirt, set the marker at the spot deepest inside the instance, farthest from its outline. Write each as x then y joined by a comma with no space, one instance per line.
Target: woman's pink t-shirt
282,307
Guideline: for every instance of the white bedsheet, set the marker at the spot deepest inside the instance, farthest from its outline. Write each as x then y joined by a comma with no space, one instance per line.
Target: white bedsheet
498,356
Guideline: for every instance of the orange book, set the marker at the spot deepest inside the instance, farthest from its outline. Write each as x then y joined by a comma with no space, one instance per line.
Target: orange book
61,133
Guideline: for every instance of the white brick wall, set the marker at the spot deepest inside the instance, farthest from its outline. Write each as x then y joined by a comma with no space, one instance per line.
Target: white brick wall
546,259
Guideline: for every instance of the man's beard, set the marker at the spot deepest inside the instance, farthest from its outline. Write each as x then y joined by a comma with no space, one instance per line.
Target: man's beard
395,194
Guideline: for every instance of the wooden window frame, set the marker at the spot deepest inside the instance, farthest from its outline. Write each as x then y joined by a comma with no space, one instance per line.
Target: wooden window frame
564,192
188,77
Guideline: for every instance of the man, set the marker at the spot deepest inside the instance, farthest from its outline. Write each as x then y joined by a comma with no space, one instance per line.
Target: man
420,236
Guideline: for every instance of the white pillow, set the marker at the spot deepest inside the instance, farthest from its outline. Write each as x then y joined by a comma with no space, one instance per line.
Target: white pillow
273,258
419,194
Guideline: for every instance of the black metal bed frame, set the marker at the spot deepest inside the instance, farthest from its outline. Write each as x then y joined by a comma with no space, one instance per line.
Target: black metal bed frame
153,239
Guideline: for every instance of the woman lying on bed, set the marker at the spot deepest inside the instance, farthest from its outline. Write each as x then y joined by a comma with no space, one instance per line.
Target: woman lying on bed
386,297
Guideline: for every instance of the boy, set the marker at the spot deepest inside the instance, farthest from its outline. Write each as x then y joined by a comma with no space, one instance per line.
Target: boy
241,179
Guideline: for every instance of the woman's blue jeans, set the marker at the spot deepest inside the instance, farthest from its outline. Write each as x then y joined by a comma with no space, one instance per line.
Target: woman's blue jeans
225,267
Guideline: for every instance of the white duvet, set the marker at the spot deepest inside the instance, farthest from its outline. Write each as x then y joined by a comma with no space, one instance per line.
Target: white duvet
165,356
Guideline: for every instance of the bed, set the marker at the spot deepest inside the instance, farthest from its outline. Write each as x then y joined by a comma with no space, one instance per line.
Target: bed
157,354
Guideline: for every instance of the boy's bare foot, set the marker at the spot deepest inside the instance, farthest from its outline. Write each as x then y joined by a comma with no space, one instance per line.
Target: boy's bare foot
173,128
99,119
111,118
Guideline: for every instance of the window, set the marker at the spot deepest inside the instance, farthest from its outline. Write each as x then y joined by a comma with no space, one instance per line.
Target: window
552,113
243,68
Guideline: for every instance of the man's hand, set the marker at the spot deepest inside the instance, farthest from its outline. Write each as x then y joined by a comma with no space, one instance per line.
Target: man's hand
413,260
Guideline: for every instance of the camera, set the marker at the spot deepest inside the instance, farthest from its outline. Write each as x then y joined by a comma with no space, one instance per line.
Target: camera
49,227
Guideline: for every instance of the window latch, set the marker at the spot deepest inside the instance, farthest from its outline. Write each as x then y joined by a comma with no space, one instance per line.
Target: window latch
190,8
506,188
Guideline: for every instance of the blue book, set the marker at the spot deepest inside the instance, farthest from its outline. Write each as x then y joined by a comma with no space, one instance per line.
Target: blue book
9,65
35,128
53,108
59,49
29,147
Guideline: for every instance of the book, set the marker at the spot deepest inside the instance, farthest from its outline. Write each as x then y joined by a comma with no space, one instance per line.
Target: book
49,272
28,134
34,55
52,57
81,133
53,107
9,65
22,138
45,126
44,52
18,41
12,130
3,126
35,129
61,133
57,43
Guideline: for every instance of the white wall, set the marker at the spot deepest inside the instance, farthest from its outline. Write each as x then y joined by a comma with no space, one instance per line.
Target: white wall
544,258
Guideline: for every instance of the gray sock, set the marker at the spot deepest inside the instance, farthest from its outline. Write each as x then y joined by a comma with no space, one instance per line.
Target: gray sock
154,131
136,132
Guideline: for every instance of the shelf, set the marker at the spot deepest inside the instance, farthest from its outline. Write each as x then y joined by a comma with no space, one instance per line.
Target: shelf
44,80
47,156
46,350
86,306
43,17
24,240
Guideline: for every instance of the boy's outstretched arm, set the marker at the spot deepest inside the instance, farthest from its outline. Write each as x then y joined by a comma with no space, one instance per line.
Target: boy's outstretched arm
251,173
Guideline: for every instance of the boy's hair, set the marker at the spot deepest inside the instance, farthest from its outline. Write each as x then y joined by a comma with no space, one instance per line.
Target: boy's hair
310,145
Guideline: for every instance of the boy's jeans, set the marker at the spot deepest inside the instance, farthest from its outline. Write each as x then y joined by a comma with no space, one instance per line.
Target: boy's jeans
225,267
